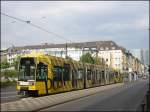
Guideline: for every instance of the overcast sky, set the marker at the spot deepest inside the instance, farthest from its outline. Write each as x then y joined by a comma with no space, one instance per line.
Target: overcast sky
124,22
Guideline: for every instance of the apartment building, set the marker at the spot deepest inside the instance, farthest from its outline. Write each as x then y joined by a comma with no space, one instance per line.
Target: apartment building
114,55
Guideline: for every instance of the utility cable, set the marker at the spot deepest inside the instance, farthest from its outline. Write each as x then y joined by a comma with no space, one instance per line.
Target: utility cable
29,22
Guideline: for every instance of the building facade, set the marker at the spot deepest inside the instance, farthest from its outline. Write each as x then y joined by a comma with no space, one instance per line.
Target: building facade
113,58
113,55
142,55
3,56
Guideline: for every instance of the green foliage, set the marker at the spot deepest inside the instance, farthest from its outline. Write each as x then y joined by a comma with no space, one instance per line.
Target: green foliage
87,58
4,65
16,62
9,73
69,58
97,60
8,83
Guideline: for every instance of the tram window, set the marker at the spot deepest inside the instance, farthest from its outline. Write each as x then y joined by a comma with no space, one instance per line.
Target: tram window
93,76
88,74
116,74
66,72
57,73
106,75
96,74
26,69
103,75
110,75
99,74
80,74
41,71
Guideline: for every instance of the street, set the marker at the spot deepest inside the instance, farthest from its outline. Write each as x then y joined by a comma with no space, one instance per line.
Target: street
9,94
127,97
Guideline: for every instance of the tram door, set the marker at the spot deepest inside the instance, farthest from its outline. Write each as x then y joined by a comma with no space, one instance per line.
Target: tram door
93,77
84,78
43,74
74,79
103,78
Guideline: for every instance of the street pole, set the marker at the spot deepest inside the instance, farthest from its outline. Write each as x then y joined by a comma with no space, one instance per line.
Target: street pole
97,56
85,70
148,93
149,77
66,50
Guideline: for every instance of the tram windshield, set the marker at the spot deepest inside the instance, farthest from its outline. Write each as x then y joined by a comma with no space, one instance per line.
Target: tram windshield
27,69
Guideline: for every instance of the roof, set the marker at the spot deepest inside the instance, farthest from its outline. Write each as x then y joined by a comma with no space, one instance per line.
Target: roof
95,44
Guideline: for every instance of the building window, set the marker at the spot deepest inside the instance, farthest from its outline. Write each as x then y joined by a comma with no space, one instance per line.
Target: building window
106,59
113,48
106,48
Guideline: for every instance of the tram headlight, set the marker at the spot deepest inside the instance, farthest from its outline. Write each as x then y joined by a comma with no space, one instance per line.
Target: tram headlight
32,83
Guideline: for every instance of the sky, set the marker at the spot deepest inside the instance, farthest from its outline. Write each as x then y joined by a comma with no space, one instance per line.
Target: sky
124,22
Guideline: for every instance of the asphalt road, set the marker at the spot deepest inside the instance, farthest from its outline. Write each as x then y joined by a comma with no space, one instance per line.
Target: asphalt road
9,94
125,98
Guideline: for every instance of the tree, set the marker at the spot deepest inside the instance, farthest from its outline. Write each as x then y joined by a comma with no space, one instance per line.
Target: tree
87,58
69,58
4,65
97,60
16,62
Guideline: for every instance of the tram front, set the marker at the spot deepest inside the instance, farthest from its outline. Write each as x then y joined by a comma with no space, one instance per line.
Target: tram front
27,76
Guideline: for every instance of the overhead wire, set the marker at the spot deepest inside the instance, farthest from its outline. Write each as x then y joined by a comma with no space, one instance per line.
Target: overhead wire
13,17
36,26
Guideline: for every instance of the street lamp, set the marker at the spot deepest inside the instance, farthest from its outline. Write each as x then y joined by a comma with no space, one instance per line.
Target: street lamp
66,50
148,93
149,77
149,74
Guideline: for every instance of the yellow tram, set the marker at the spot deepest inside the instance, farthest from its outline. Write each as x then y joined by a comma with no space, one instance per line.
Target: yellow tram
41,74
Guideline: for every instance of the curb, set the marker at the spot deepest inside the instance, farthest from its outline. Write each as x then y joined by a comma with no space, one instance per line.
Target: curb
37,104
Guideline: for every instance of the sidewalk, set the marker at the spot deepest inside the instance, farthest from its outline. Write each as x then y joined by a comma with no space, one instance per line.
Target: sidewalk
34,104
